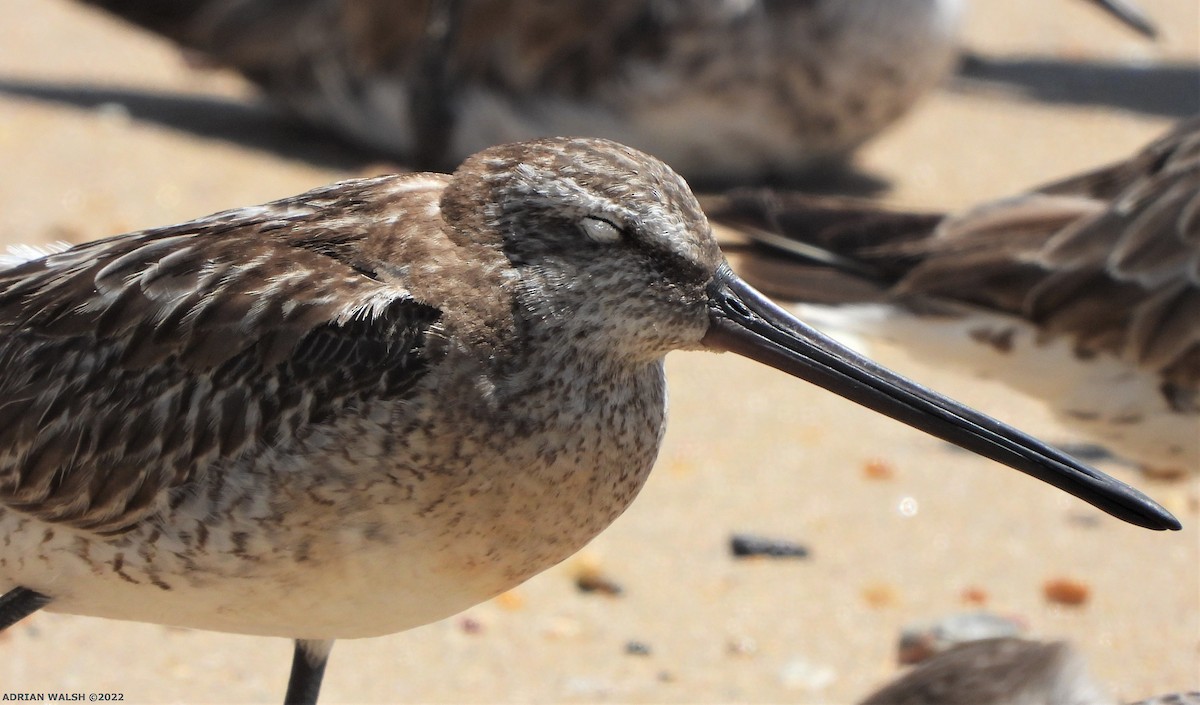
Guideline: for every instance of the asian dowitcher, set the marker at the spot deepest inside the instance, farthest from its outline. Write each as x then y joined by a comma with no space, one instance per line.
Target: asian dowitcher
726,91
372,405
1084,293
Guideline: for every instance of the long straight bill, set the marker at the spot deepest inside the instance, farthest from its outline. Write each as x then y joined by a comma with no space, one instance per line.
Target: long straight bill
745,322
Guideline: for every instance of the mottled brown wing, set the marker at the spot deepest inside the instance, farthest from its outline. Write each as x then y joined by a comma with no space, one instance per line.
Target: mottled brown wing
1109,258
131,364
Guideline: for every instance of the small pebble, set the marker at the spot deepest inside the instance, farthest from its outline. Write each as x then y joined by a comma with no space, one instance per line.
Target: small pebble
974,595
746,545
877,469
470,625
589,577
594,582
637,648
1066,591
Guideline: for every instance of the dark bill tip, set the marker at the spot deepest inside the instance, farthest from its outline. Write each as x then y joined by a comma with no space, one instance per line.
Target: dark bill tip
745,322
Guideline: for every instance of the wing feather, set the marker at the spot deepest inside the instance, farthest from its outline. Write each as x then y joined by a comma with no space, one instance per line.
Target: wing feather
133,364
1109,259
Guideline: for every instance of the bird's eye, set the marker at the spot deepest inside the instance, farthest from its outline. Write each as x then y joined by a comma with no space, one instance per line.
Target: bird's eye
599,229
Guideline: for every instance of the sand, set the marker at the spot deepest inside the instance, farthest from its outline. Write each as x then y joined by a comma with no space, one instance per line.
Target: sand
747,450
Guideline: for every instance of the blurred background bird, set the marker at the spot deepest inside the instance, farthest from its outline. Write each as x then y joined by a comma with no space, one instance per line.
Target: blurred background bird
981,658
998,671
726,91
1084,293
1006,671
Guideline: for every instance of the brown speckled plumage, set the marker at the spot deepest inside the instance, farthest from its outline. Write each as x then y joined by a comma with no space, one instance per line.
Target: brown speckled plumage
720,89
327,365
192,345
373,405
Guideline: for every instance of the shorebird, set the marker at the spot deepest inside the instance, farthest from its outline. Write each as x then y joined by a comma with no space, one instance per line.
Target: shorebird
1084,293
998,671
370,406
1006,671
726,91
976,658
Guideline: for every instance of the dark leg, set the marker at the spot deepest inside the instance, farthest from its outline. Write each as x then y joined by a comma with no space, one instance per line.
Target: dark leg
308,667
19,603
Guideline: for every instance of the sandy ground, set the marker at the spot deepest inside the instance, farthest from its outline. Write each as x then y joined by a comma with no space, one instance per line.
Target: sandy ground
747,450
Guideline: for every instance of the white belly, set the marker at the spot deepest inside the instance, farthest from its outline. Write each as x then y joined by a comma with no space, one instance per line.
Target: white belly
355,534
